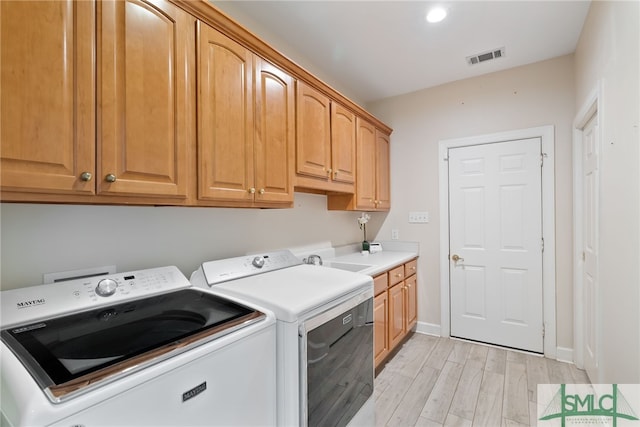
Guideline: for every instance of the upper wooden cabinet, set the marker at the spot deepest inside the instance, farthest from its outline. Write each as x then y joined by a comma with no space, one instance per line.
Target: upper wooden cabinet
53,143
47,110
325,142
372,172
168,102
245,139
343,144
145,92
383,172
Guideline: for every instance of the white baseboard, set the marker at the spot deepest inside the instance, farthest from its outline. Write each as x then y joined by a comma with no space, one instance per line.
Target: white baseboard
564,354
428,329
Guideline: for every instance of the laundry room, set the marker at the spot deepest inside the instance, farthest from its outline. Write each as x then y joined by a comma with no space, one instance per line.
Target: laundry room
334,128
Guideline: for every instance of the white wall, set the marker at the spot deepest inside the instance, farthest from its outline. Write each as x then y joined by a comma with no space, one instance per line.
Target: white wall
37,238
529,96
609,51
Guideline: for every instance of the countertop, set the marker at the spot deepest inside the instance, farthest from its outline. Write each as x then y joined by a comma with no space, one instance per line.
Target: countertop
392,255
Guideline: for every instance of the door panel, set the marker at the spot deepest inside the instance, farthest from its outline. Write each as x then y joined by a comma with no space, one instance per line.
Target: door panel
380,332
383,172
225,117
313,120
496,230
47,125
144,65
343,144
396,314
274,142
366,165
590,152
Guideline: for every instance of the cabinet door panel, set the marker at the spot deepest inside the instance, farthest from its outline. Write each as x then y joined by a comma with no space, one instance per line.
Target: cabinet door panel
366,165
380,331
47,126
225,117
313,130
275,138
411,308
396,314
383,190
142,90
343,144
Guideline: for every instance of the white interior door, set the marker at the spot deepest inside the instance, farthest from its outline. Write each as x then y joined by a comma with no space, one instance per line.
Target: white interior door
590,149
495,227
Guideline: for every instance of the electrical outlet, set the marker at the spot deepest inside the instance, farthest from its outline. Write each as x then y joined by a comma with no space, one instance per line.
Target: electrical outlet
419,217
395,234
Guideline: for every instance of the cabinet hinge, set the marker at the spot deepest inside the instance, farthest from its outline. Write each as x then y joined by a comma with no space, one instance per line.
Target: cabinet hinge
542,244
543,330
446,159
542,157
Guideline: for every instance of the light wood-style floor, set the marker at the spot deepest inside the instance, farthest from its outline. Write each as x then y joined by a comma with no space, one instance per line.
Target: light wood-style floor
436,381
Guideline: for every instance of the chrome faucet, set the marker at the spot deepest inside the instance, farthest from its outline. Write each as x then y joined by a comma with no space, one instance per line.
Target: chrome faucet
313,259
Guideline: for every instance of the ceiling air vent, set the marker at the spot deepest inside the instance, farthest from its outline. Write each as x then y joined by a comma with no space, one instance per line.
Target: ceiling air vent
486,56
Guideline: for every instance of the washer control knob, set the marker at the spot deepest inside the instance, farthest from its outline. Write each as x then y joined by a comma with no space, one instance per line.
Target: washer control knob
106,287
258,262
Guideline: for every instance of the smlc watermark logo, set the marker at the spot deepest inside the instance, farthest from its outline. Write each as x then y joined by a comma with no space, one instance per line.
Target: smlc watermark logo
588,405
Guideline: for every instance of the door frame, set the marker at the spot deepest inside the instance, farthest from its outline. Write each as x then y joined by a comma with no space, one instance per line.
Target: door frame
592,105
547,137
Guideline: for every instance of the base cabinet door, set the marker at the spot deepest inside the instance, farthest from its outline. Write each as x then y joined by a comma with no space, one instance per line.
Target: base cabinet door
396,314
380,330
411,302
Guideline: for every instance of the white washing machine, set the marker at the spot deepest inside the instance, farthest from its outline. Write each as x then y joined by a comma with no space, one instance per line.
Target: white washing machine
133,349
324,333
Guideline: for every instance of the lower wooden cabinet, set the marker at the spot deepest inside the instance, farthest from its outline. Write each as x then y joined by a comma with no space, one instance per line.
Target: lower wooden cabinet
395,308
380,334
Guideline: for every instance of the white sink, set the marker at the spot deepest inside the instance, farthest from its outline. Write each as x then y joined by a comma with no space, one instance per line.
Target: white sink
346,266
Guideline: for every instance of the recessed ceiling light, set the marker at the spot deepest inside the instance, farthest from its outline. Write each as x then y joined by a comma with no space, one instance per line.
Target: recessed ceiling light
436,14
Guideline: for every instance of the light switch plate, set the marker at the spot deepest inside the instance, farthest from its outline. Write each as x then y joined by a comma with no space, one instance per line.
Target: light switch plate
418,217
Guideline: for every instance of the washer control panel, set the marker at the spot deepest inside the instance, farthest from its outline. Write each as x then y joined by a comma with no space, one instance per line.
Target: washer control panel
43,301
223,270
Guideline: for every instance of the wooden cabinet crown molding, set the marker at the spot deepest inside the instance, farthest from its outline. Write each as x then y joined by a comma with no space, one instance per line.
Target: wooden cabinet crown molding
213,16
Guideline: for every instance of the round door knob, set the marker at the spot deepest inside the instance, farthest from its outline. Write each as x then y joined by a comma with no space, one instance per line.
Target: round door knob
258,262
110,178
106,287
86,176
252,190
456,258
262,191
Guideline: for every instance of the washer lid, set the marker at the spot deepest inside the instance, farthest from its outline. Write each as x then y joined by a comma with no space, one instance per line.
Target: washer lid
68,354
292,292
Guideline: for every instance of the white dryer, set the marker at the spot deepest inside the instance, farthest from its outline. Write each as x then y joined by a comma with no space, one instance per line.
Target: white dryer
324,333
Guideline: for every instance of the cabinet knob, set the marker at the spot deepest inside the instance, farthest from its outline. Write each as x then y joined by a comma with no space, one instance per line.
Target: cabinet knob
110,178
335,174
86,176
261,191
252,190
329,171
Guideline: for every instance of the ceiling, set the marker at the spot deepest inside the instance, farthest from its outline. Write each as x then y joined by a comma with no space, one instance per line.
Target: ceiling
378,49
